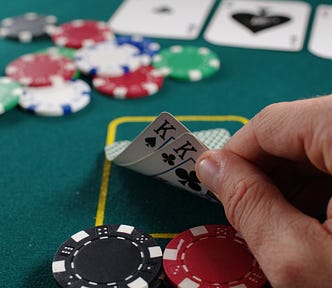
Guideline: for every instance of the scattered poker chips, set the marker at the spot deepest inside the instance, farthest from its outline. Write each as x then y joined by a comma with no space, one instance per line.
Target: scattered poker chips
211,256
57,100
27,27
10,91
187,62
145,45
142,82
108,256
79,33
41,69
109,59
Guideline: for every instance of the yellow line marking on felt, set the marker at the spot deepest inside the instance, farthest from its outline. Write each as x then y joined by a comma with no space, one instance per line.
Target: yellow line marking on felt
111,136
103,193
163,235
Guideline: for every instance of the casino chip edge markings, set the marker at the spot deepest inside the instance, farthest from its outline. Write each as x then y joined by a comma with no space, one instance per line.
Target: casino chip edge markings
123,244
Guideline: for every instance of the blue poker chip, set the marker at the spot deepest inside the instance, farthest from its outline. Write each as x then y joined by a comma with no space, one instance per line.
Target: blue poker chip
145,45
58,100
110,59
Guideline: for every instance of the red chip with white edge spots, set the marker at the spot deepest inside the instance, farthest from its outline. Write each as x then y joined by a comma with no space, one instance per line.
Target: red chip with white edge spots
211,256
142,82
41,69
79,33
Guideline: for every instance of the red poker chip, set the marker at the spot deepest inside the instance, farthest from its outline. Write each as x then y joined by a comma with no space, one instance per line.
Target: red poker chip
142,82
211,256
41,69
79,33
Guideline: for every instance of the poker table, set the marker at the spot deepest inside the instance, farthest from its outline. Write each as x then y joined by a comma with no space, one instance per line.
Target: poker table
54,179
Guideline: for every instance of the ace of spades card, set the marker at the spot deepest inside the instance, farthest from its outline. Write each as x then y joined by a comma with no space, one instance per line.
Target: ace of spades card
175,19
260,24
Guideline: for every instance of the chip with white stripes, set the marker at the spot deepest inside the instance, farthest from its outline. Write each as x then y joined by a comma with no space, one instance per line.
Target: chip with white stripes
108,256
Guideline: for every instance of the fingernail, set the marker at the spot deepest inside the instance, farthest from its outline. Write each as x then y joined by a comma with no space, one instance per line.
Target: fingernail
209,173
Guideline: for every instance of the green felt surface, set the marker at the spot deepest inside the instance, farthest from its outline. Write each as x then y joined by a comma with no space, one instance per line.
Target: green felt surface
51,168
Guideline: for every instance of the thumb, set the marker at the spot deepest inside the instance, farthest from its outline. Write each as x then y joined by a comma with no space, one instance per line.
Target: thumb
272,227
249,197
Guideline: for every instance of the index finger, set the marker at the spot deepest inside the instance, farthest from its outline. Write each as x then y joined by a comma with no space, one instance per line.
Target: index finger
298,131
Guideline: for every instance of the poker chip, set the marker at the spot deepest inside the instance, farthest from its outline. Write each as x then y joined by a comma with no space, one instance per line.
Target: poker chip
27,27
41,69
108,256
68,53
59,100
79,33
109,59
211,256
145,45
187,62
10,91
142,82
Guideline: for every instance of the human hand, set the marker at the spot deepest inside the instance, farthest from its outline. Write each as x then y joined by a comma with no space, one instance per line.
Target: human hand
282,155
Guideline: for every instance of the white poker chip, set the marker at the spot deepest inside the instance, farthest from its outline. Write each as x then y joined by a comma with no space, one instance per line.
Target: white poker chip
58,100
110,59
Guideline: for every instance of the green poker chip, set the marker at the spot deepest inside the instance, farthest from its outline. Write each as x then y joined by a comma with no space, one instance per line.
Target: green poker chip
188,63
10,91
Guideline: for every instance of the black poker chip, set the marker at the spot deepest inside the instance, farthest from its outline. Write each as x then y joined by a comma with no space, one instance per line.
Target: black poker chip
110,256
26,27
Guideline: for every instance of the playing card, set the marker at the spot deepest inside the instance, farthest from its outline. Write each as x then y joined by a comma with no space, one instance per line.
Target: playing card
162,130
175,163
261,24
177,19
320,43
212,138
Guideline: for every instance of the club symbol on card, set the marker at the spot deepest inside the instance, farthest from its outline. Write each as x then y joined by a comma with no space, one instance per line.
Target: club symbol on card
189,179
150,141
168,158
163,10
261,21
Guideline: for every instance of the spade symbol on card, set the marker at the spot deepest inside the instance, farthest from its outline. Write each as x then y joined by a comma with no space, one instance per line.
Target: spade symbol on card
189,179
150,141
261,21
163,10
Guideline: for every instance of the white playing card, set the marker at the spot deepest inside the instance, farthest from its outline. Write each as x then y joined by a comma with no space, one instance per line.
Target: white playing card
320,43
175,164
212,138
260,24
176,19
162,130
